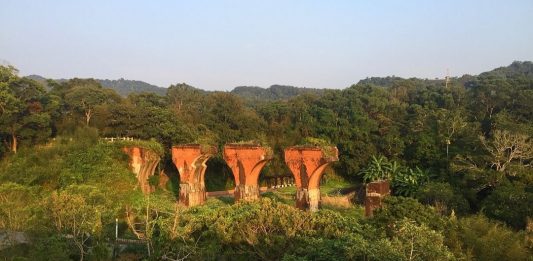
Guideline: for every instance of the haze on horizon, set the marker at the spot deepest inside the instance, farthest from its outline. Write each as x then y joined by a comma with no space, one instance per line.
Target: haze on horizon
217,45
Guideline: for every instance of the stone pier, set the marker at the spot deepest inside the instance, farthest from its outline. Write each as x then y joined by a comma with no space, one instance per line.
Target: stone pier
307,164
375,192
246,162
190,160
143,163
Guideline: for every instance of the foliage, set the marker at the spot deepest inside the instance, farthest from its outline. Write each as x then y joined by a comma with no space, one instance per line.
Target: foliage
482,239
510,203
23,110
443,197
76,214
458,147
274,92
504,148
397,208
151,145
271,230
405,181
419,242
328,150
16,206
379,168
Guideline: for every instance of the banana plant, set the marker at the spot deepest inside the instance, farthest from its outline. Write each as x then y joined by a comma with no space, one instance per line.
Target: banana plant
379,168
407,181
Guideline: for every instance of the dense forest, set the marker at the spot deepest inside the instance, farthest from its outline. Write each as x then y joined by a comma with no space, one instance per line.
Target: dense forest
458,153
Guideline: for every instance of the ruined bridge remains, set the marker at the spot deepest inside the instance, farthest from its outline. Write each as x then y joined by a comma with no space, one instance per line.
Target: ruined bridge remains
190,160
143,163
307,164
246,162
374,194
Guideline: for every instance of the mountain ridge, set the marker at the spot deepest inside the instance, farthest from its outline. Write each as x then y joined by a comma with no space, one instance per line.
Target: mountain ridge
283,92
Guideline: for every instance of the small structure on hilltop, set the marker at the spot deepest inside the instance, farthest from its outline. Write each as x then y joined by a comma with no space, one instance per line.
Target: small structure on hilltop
190,160
307,164
246,162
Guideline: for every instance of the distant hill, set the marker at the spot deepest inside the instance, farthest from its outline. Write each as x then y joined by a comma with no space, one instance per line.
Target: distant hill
285,92
274,92
125,87
516,68
39,79
380,81
121,86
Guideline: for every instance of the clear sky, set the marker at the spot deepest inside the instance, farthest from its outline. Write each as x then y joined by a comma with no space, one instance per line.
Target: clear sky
223,44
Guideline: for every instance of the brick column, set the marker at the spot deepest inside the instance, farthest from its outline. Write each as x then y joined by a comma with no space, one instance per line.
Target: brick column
190,160
246,162
307,165
143,163
375,192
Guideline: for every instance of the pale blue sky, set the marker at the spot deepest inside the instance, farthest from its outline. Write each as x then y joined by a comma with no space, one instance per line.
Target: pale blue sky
223,44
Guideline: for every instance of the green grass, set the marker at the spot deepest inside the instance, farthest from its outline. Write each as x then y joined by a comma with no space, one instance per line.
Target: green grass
332,187
354,211
287,196
220,201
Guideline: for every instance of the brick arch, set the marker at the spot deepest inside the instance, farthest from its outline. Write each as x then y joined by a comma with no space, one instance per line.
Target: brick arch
190,161
143,163
246,162
307,164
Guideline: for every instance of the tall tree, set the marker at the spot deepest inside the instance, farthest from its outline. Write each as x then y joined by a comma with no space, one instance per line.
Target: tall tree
22,109
83,96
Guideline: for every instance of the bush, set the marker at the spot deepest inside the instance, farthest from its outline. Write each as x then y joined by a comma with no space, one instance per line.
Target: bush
482,239
17,204
419,242
510,203
265,230
443,197
398,208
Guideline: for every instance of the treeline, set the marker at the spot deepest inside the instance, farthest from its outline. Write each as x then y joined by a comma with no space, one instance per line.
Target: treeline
474,135
463,149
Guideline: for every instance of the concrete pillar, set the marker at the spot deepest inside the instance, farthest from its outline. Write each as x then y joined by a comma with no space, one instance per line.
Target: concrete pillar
143,163
190,160
375,192
307,165
246,162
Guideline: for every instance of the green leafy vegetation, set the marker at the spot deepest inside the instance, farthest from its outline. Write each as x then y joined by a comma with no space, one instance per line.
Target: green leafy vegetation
459,160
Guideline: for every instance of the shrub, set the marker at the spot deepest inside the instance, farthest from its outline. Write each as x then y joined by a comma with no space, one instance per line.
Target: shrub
443,197
483,239
398,208
510,203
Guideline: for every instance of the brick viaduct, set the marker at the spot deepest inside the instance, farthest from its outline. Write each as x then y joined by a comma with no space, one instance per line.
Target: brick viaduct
246,161
306,163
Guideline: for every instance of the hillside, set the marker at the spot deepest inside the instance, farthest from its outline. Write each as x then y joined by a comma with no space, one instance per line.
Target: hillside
516,69
121,86
125,87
